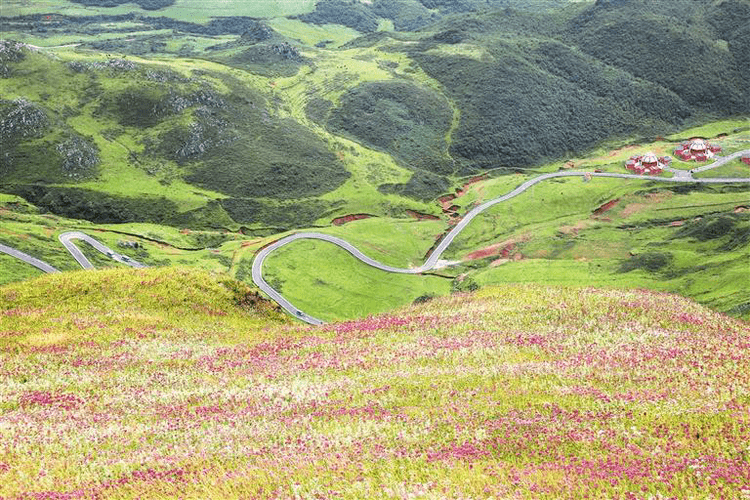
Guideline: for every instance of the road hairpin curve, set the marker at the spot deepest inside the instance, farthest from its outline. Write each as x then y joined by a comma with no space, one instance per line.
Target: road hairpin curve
431,263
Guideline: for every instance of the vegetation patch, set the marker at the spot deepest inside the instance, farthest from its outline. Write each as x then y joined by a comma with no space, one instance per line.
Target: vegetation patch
96,206
269,59
144,4
421,186
282,215
507,392
649,261
407,120
735,227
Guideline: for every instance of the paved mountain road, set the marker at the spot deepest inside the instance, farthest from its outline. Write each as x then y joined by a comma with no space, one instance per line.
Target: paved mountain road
431,263
434,258
67,240
27,258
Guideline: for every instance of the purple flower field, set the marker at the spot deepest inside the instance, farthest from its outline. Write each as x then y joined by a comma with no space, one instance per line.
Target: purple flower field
513,392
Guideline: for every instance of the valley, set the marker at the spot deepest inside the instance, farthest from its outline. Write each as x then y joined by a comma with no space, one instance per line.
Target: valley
380,249
435,254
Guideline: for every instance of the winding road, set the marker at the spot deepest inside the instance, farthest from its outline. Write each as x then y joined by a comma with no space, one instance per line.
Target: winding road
434,258
40,264
431,263
67,240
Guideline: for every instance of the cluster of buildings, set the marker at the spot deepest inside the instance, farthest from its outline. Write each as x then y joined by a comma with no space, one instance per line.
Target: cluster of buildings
696,150
692,150
648,164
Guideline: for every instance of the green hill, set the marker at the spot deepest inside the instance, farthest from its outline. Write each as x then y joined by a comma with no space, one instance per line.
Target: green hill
617,233
274,121
175,384
141,123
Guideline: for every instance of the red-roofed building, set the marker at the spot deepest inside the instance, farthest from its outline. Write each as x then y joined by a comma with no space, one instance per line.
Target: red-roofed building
648,164
696,150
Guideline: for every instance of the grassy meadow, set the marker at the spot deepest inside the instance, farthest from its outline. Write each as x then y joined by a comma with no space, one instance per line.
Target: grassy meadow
184,10
194,387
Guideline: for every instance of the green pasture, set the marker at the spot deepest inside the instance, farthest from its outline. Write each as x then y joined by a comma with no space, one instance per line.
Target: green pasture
184,10
713,129
735,168
325,281
395,242
334,35
555,201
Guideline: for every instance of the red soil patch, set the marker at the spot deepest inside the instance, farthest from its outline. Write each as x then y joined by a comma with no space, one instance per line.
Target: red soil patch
348,218
445,201
485,252
741,208
421,216
647,200
575,228
615,152
677,223
606,206
471,181
505,250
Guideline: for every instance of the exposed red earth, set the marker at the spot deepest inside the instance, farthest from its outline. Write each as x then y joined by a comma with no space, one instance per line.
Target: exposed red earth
420,216
338,221
606,206
445,201
505,249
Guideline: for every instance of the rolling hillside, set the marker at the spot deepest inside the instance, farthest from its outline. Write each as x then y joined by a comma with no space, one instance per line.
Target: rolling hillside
584,336
617,233
202,139
193,387
333,131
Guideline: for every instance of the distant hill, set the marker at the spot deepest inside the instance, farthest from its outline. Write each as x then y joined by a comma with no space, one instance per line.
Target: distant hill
431,92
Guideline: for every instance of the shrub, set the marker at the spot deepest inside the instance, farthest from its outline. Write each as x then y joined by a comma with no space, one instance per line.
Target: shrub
406,120
650,261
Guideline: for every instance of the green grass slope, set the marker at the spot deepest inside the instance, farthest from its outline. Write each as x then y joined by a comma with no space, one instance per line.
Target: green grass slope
605,232
130,303
613,233
520,391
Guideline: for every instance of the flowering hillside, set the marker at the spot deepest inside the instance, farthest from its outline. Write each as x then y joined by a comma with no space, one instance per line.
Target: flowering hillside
513,392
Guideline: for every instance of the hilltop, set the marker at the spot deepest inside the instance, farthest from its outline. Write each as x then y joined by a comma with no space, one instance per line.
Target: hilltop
522,391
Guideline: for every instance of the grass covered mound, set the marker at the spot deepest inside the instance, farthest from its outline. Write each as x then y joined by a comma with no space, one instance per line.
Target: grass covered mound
521,391
97,306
